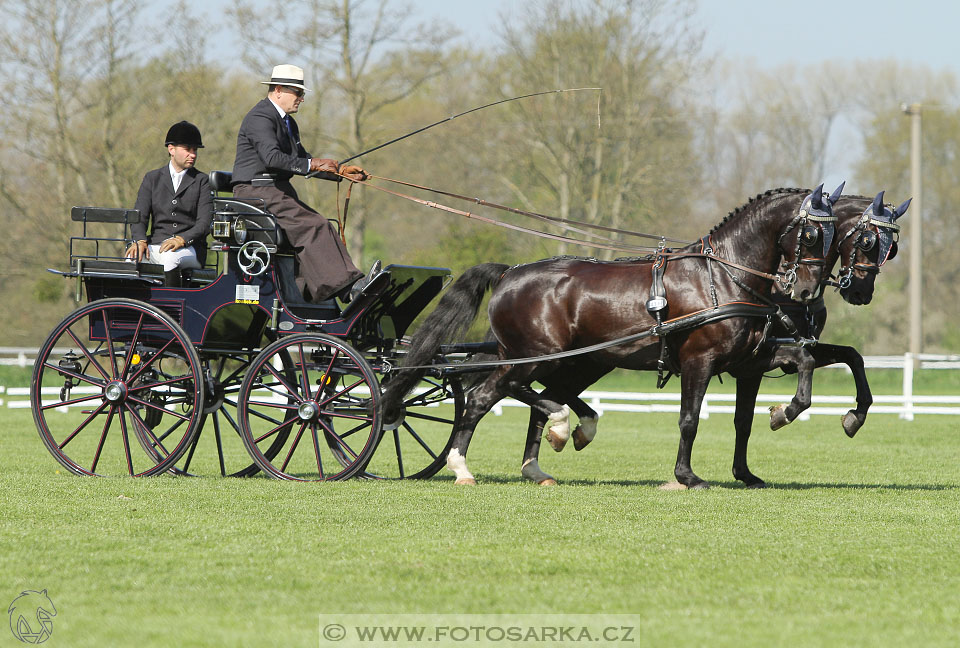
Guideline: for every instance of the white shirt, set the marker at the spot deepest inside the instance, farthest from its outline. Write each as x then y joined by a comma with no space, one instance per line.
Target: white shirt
176,176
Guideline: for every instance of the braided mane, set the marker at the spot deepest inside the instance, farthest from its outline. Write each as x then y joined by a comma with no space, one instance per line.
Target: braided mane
749,203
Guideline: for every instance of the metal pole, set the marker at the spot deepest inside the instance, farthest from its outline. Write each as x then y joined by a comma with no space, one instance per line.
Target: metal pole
916,236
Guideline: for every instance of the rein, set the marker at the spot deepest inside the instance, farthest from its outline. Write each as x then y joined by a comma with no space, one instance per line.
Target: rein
781,278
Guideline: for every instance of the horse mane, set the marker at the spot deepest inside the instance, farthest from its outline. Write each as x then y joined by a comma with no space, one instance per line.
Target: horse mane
751,203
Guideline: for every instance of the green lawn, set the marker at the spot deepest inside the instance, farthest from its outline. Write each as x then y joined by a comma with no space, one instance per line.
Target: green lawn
855,544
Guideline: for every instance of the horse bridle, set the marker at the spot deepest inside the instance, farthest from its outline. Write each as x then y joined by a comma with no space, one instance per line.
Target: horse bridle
811,225
884,233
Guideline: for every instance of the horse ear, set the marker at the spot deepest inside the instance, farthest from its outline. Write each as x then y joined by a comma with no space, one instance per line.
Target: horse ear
902,209
878,204
835,196
816,198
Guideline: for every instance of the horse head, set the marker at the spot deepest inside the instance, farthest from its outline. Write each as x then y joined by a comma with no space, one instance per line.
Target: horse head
806,242
868,240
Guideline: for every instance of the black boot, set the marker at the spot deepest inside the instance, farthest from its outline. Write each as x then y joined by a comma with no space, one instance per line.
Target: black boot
172,278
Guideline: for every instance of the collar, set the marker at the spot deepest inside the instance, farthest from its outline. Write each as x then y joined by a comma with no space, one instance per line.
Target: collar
279,109
175,174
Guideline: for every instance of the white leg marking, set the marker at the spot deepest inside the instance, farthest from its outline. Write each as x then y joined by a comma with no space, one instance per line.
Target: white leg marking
458,464
558,428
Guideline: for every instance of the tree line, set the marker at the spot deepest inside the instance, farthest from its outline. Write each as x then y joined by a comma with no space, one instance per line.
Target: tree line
670,145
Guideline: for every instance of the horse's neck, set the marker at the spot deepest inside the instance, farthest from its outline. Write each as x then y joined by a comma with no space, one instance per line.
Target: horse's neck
752,241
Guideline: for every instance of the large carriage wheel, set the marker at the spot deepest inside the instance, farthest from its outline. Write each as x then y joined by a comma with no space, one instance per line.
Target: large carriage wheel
220,426
328,405
140,378
415,445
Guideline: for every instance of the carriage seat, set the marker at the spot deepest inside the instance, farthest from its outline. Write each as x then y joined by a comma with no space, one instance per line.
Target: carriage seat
221,181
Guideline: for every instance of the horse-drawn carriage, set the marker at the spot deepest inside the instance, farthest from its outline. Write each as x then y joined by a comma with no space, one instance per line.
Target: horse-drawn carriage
296,387
132,381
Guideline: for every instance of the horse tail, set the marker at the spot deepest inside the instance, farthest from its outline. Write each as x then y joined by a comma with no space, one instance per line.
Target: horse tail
448,322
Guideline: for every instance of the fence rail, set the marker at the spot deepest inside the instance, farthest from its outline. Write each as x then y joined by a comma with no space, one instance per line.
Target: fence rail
905,405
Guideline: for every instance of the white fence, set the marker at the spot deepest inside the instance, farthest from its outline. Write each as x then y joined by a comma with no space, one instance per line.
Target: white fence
905,405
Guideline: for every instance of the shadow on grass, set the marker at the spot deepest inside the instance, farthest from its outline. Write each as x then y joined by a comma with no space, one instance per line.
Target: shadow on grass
724,485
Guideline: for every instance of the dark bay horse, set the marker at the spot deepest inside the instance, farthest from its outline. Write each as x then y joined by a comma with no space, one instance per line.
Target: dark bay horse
716,290
864,240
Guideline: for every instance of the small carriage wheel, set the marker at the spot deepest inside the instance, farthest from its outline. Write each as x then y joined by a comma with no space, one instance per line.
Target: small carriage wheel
113,369
334,398
223,377
415,445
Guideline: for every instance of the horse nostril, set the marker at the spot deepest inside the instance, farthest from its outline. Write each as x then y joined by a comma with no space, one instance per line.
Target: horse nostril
804,295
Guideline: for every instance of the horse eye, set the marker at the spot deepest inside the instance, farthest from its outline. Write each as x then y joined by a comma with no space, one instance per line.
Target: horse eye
866,241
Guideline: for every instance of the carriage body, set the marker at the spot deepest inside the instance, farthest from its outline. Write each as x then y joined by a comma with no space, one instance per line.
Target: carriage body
235,350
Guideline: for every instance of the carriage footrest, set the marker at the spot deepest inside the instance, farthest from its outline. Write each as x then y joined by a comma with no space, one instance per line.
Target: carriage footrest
152,272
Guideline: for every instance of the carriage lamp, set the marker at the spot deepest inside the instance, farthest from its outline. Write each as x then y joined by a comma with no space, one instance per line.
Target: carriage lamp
69,362
232,228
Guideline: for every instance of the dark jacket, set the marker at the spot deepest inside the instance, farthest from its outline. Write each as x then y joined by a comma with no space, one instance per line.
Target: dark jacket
265,147
187,213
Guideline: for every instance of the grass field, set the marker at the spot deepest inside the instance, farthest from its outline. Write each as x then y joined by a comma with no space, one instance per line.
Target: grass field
855,544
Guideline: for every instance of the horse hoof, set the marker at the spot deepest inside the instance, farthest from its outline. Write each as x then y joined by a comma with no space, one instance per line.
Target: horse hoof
556,441
580,440
672,486
548,482
851,423
466,481
778,417
700,486
757,484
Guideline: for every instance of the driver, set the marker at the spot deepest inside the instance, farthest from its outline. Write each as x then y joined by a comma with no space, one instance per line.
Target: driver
269,153
177,199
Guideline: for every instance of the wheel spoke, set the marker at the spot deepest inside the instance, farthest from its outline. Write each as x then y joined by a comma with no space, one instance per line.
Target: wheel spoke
293,447
126,442
396,444
316,450
337,439
93,415
417,438
103,438
90,358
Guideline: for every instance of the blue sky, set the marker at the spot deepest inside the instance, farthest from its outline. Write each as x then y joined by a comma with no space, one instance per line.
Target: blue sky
771,32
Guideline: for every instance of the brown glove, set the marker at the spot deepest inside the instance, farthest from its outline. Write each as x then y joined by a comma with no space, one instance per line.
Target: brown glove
323,164
138,251
173,243
353,172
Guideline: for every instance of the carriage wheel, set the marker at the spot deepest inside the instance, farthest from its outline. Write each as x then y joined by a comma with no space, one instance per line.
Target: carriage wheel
140,377
415,445
328,405
223,376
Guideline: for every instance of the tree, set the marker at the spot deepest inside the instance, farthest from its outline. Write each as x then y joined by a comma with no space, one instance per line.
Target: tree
623,162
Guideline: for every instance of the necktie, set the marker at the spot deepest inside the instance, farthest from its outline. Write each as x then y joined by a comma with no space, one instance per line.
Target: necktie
288,123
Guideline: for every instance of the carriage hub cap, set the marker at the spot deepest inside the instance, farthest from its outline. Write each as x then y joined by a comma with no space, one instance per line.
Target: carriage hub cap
308,411
115,392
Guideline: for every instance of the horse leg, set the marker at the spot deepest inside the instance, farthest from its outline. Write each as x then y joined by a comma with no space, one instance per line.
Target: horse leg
802,361
694,379
530,468
826,354
747,389
479,402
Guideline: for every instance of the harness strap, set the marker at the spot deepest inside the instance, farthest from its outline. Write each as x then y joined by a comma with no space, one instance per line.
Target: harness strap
684,322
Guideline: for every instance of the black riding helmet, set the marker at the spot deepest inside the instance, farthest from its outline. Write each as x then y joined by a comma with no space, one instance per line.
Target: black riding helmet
185,134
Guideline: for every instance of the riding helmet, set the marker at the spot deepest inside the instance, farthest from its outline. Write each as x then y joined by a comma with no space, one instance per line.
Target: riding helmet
185,134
